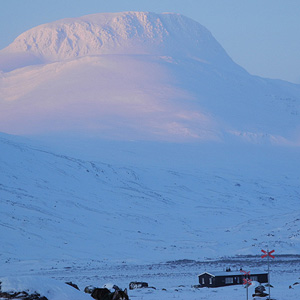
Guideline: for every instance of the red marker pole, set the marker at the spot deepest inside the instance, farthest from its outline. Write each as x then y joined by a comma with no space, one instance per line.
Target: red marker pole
268,255
246,281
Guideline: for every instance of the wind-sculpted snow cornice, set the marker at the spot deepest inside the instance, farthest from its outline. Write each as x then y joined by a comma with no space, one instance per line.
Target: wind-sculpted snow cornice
121,33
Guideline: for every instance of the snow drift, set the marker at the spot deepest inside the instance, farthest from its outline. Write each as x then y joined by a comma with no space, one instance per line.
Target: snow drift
47,287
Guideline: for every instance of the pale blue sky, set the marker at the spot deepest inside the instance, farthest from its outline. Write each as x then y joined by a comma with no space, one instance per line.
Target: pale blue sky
263,36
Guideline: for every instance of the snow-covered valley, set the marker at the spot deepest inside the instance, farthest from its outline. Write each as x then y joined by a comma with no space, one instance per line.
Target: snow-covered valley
162,221
165,212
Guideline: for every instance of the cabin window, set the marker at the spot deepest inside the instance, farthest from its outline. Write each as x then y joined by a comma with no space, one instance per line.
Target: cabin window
210,280
254,278
238,280
228,280
203,282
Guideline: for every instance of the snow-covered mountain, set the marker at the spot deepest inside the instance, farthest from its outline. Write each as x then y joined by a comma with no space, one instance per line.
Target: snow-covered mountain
78,203
137,75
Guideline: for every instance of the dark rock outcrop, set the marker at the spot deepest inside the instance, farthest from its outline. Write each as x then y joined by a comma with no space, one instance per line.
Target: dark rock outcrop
21,296
137,285
75,286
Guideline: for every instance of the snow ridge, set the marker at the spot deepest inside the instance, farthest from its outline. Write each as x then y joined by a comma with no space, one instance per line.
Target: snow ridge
120,33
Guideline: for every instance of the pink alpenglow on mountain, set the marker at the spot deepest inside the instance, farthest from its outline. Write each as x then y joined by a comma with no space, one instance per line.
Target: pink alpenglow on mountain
142,76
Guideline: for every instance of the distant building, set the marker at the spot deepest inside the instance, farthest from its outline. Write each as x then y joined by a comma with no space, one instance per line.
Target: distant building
228,277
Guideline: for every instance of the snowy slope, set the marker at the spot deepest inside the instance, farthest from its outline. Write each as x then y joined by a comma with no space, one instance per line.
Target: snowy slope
59,207
50,288
139,76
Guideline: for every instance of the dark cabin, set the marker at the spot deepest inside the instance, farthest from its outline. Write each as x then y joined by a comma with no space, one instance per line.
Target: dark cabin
228,277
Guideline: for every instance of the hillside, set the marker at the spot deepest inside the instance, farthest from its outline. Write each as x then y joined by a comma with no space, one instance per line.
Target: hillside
83,210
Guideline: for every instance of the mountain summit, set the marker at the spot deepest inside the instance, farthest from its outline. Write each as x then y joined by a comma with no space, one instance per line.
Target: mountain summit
121,33
138,75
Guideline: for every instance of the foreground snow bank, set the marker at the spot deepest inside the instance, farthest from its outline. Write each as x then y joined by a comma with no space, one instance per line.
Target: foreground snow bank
50,288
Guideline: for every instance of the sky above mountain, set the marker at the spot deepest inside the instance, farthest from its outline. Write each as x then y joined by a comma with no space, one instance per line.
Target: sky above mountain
261,36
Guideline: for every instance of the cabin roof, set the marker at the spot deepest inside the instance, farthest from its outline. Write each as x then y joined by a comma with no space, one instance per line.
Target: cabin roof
232,273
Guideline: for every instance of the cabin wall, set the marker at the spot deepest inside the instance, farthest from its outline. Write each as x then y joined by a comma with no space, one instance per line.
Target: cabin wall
208,280
262,278
228,280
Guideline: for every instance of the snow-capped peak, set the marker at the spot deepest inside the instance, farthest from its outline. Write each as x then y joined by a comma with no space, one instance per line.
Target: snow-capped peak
137,75
120,33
